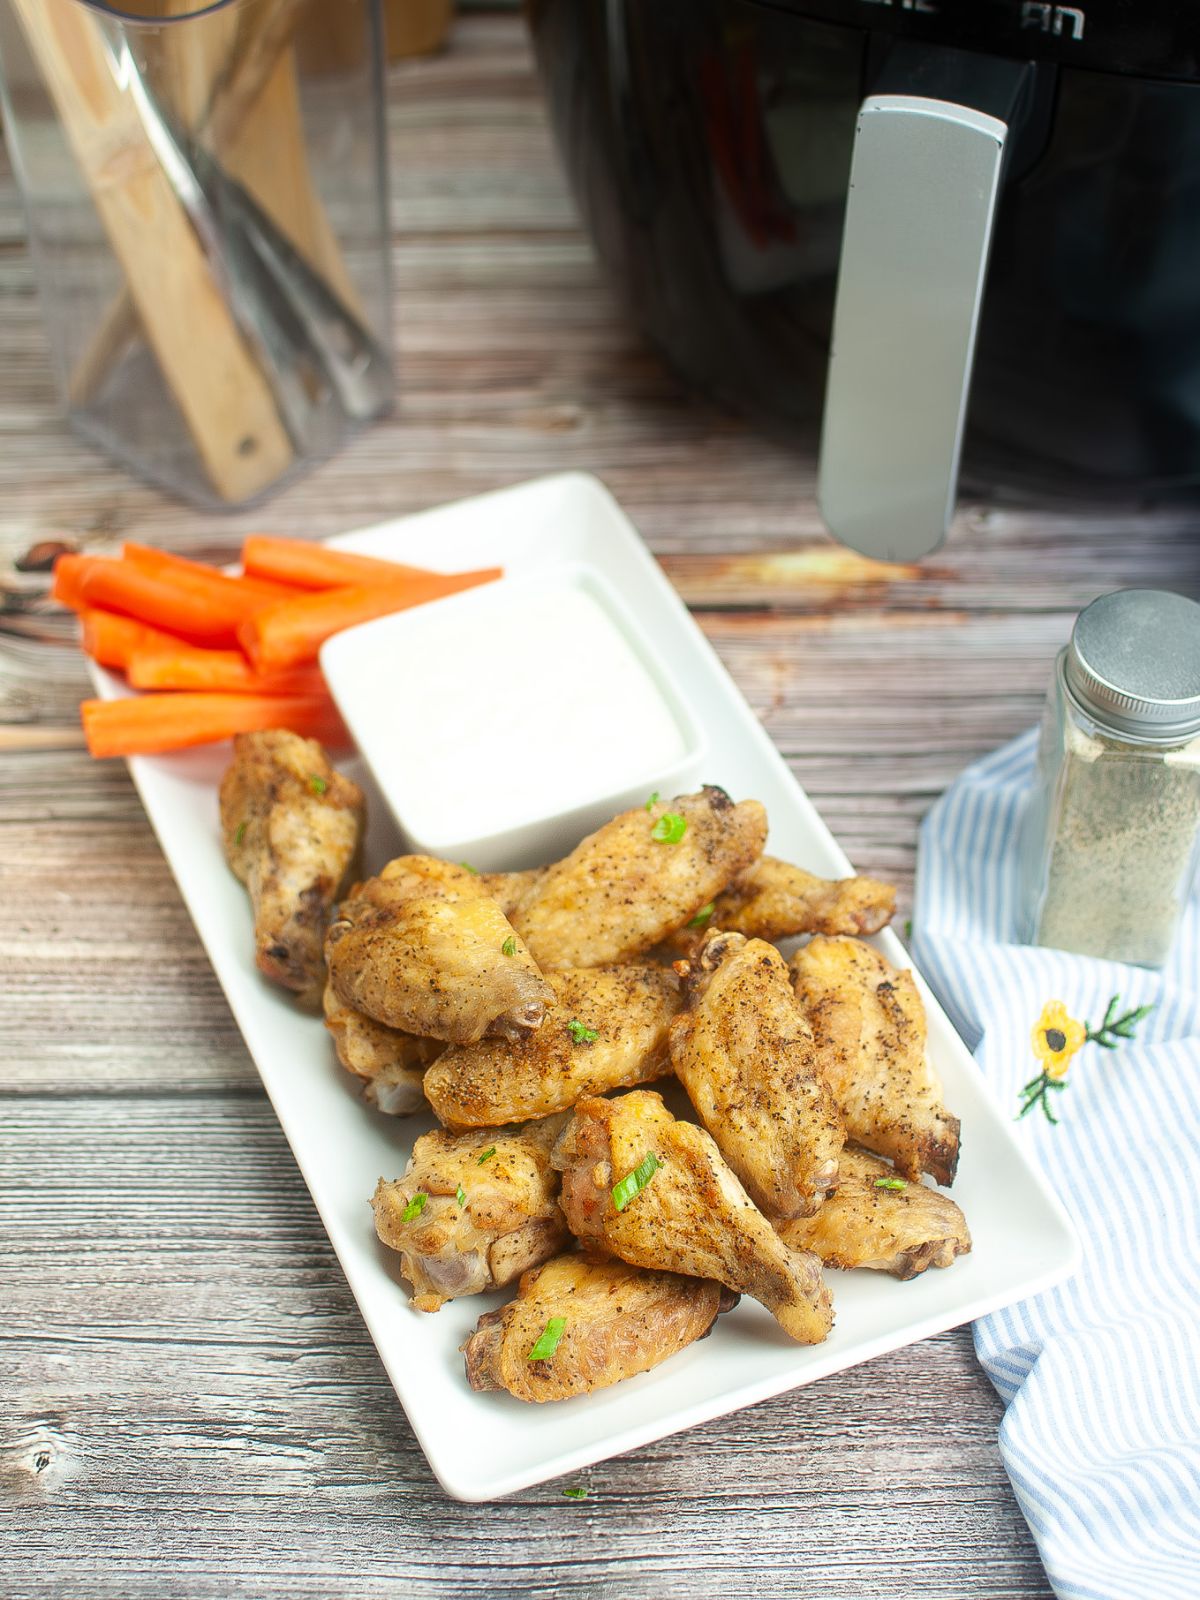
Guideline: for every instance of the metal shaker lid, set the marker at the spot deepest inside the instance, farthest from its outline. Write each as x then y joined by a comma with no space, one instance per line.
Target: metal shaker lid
1134,664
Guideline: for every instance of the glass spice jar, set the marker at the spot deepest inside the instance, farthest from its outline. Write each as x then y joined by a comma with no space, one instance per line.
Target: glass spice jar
1109,842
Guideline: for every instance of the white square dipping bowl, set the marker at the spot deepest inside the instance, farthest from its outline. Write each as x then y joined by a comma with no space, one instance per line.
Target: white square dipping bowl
503,724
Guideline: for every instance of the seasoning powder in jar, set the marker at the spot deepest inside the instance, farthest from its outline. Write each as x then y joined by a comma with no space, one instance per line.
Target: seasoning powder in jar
1109,845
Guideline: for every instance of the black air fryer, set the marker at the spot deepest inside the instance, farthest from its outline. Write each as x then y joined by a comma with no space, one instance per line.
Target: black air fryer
929,229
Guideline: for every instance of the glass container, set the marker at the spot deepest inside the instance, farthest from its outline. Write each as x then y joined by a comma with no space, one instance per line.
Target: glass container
1109,844
206,203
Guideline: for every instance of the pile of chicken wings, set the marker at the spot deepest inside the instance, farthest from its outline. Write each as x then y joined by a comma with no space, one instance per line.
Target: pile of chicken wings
528,1008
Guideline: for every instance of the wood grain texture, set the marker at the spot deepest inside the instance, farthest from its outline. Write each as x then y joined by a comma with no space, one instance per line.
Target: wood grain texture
194,1384
191,1406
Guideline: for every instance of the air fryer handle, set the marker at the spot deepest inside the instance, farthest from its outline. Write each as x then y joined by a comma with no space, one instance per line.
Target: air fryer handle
924,180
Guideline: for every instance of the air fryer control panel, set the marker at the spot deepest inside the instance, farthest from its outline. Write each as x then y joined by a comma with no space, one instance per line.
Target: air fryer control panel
1151,38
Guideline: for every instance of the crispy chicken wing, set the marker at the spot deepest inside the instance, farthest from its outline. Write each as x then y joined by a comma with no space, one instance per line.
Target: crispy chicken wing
747,1058
617,1321
607,1029
390,1063
691,1216
508,889
878,1220
869,1023
405,877
774,900
623,889
422,948
291,827
489,1210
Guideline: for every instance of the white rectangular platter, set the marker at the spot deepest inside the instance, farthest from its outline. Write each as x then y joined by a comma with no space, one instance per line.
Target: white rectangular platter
485,1445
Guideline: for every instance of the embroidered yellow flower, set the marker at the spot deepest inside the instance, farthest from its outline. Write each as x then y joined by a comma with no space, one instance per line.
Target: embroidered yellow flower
1056,1038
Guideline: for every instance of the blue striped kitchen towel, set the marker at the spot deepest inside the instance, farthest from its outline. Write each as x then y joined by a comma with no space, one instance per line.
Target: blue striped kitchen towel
1101,1376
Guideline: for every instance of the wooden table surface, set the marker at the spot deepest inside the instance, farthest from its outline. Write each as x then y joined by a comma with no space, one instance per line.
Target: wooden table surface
190,1404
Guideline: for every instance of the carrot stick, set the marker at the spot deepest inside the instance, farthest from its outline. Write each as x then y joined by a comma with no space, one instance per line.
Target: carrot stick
287,634
149,724
67,584
316,566
165,562
160,601
172,664
111,639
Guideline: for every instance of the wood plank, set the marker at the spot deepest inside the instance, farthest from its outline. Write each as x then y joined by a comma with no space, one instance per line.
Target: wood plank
199,1409
39,738
876,714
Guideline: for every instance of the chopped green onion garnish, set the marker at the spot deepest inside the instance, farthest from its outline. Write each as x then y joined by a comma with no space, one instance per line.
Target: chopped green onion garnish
461,1197
317,785
703,915
467,867
548,1342
653,801
634,1182
414,1207
581,1033
890,1183
509,947
669,828
487,1155
576,1494
241,832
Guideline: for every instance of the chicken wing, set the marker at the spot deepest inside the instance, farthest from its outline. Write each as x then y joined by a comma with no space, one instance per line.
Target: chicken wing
473,1211
637,878
869,1023
291,827
390,1063
748,1060
405,877
508,889
422,948
691,1215
774,900
607,1029
878,1220
616,1321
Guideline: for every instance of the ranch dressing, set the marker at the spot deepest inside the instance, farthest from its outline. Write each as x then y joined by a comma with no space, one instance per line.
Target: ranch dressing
505,712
